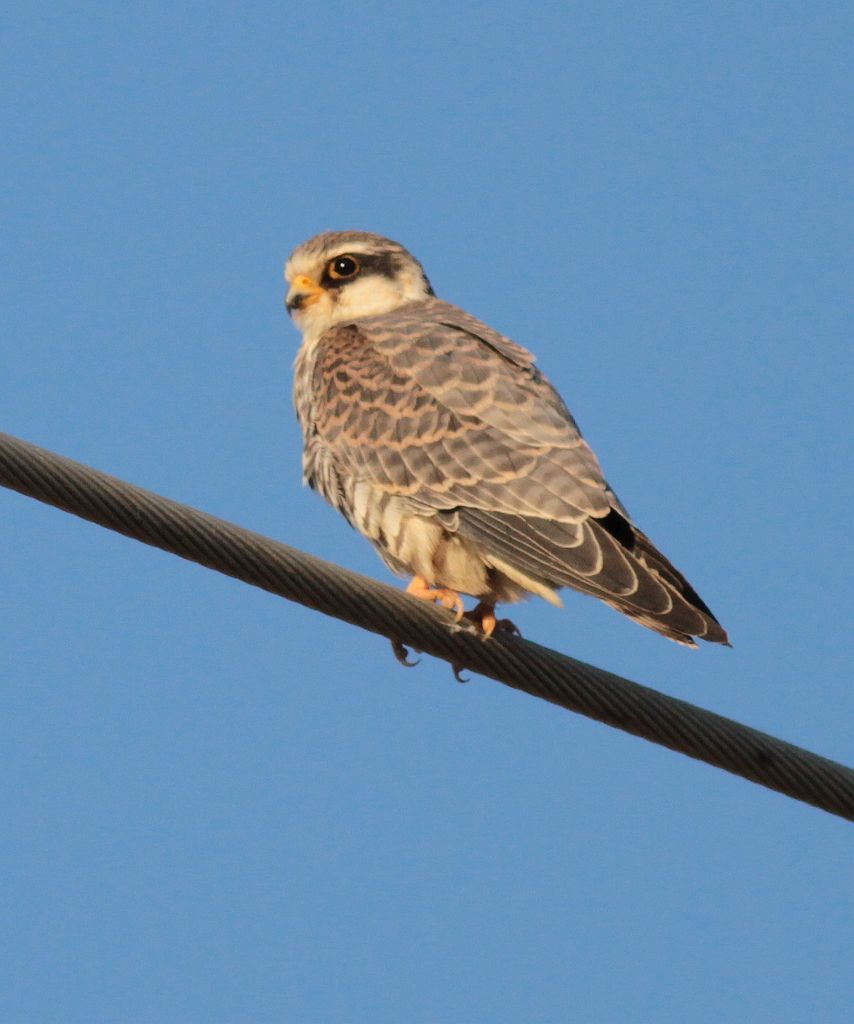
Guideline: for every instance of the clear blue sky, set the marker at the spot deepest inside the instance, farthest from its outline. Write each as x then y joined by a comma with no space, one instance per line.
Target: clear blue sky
220,807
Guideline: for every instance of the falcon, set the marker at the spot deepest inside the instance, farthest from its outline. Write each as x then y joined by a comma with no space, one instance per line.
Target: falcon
441,441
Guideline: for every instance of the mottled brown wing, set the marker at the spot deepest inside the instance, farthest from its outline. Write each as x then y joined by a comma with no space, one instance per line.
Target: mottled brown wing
431,405
430,411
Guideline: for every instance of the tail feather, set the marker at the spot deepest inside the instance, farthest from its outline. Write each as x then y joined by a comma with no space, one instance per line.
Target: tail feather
608,558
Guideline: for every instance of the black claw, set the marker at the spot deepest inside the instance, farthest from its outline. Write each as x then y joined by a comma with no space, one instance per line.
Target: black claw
402,654
458,674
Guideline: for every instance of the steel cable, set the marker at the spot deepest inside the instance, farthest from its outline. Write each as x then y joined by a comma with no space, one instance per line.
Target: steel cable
361,601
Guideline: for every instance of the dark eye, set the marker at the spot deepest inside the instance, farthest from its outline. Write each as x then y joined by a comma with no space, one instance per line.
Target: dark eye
343,267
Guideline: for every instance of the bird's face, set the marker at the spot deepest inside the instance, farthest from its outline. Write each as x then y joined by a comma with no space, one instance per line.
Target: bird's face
347,275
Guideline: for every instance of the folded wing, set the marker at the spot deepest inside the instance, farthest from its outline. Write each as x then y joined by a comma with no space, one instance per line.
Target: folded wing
429,404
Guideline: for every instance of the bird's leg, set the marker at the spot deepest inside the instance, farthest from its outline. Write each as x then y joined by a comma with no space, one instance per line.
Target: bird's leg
483,615
450,599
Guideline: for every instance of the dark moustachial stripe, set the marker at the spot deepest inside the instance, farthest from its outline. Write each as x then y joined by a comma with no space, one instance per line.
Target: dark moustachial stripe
385,264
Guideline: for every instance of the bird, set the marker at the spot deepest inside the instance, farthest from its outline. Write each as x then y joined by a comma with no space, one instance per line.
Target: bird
441,441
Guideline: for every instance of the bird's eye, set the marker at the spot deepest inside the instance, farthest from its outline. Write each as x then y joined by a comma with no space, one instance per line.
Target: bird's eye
343,267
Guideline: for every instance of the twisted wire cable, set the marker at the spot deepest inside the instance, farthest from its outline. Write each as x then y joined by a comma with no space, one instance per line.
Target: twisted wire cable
361,601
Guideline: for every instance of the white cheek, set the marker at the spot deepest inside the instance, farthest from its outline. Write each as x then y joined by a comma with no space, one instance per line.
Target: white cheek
316,318
367,297
372,295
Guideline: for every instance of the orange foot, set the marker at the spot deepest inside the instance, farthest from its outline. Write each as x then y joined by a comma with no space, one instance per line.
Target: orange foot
483,615
450,599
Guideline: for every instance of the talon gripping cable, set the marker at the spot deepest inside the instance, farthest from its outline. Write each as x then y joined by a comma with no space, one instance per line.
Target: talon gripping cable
574,685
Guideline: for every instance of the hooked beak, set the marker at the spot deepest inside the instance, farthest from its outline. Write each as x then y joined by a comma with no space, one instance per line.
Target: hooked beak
303,293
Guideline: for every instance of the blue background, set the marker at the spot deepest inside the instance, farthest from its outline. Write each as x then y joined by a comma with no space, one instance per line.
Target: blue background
218,806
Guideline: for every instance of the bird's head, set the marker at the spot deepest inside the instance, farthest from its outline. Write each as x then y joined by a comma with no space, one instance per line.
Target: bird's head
344,275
